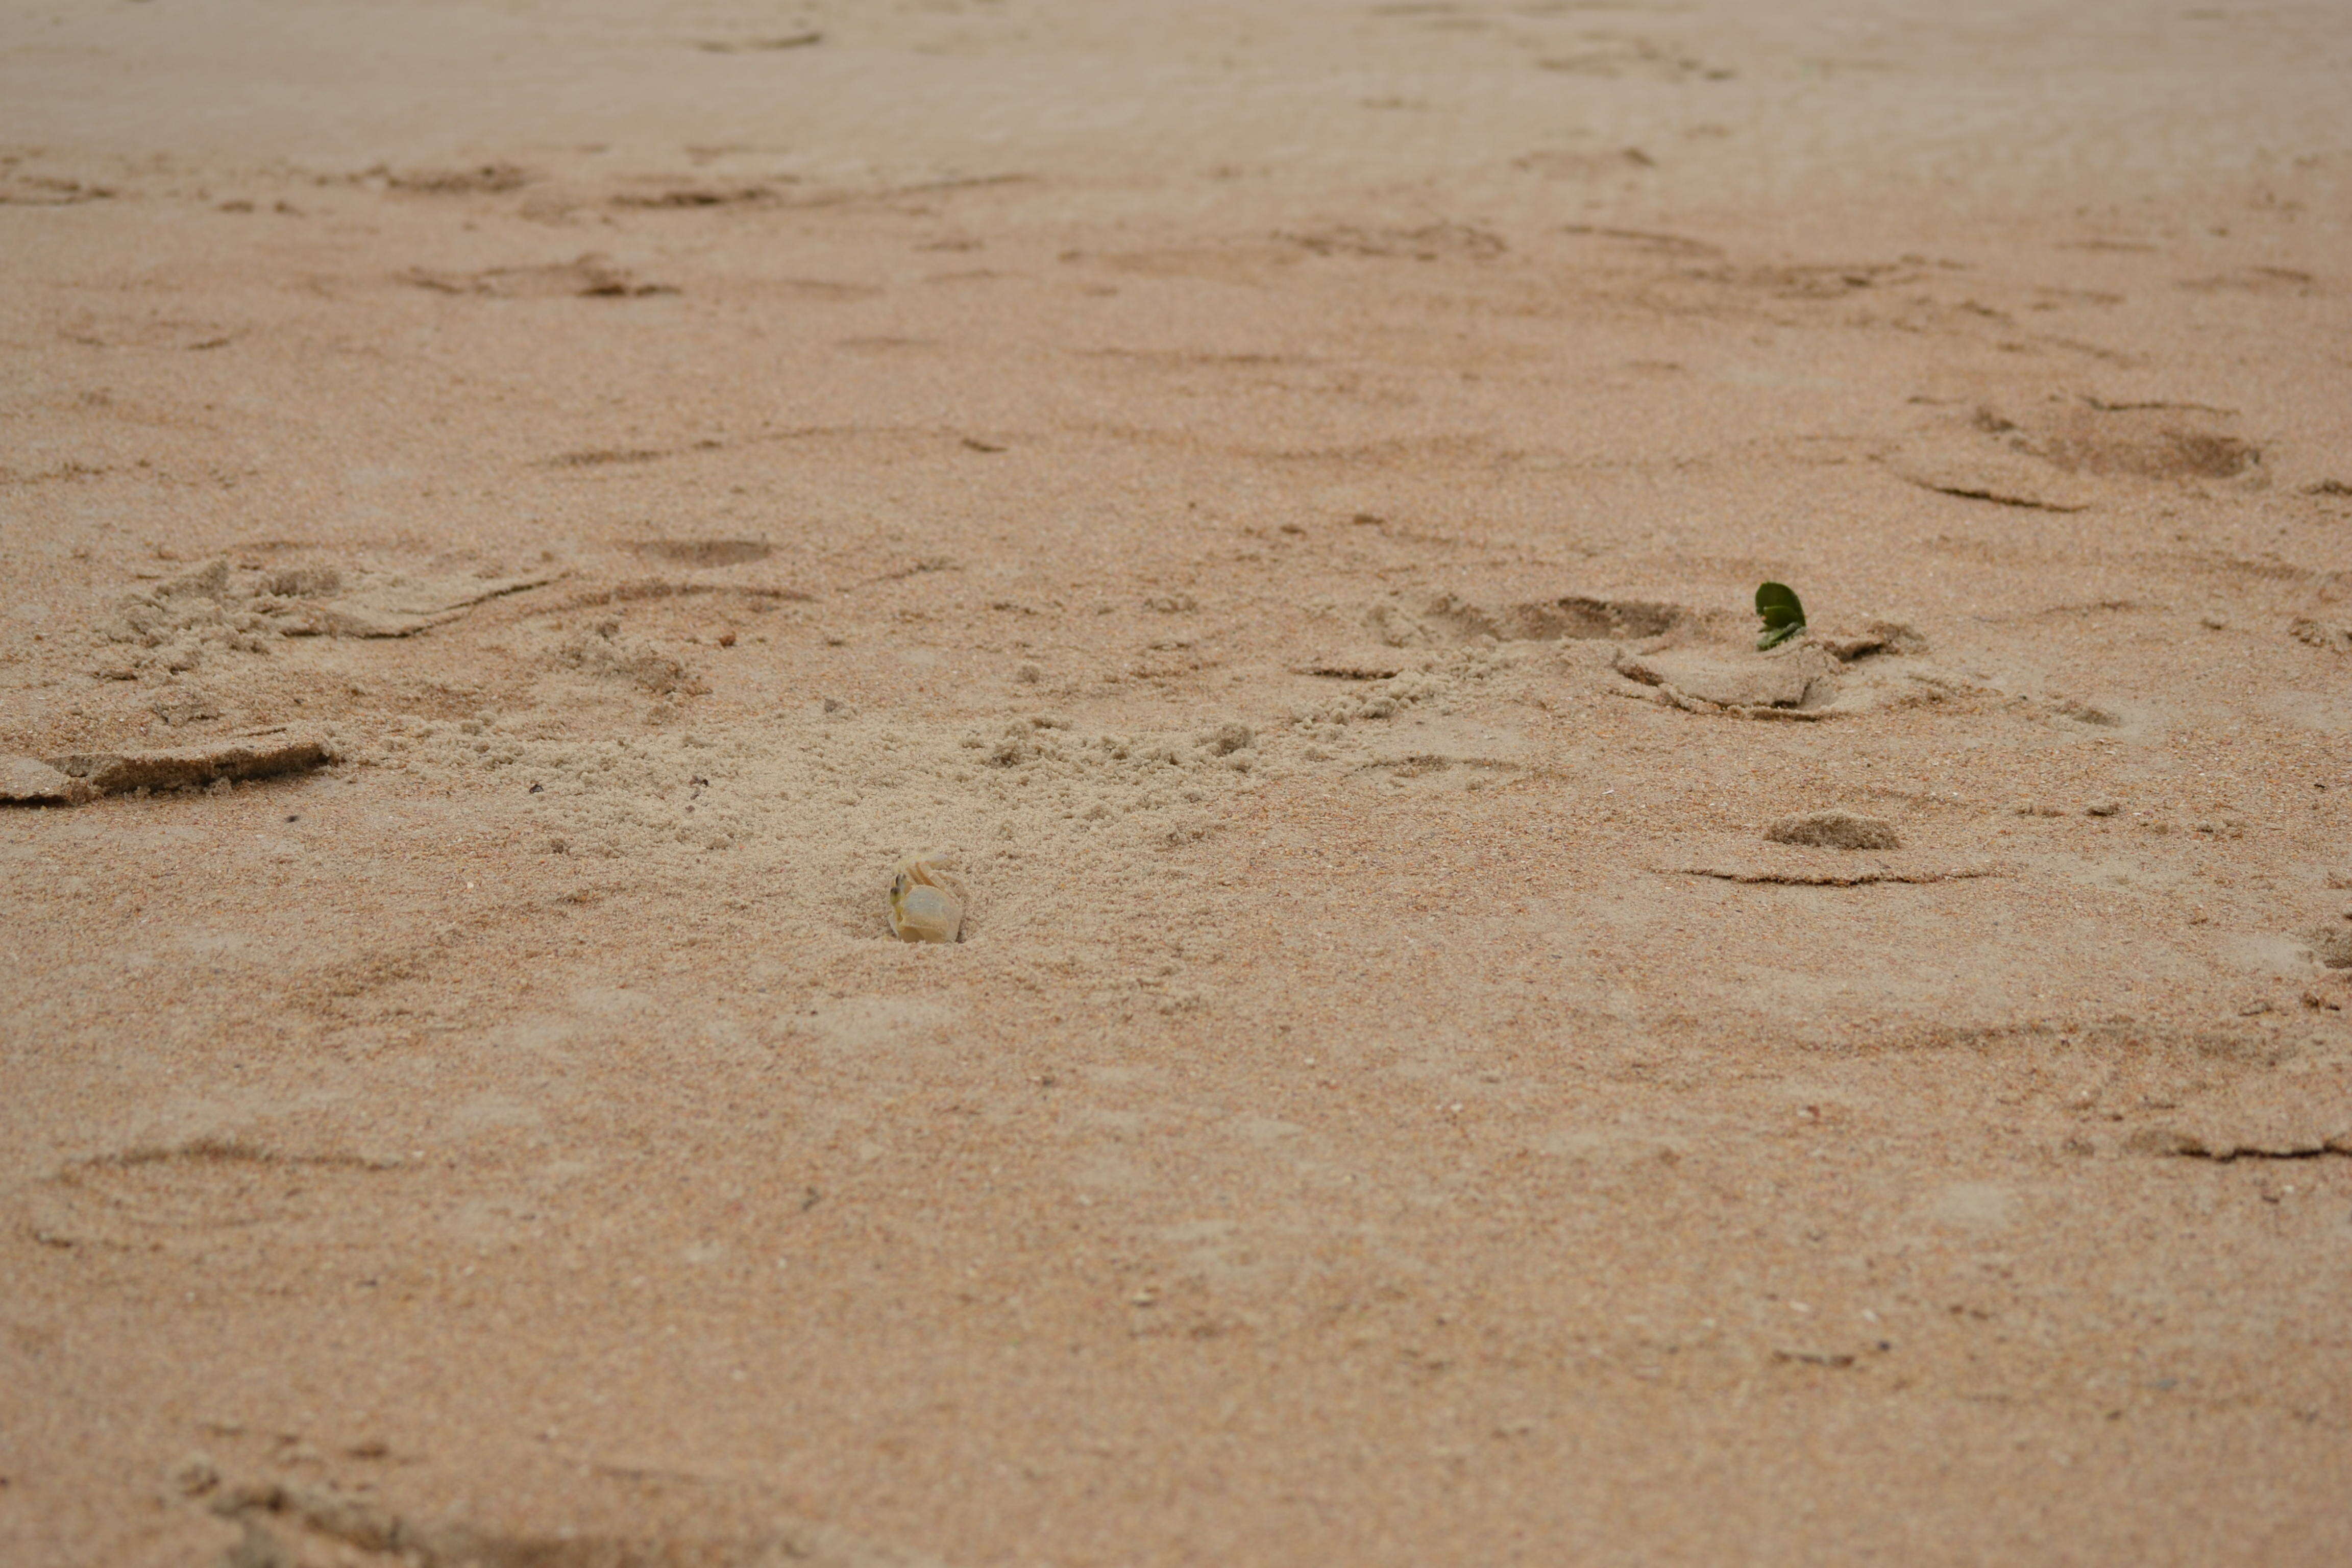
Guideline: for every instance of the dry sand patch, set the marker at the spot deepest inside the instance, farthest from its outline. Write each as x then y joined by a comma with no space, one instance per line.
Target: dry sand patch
515,527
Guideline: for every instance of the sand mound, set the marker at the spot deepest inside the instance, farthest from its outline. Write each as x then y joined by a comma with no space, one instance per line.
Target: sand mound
1835,830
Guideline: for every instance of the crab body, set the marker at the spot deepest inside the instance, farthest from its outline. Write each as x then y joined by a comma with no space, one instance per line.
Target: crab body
925,905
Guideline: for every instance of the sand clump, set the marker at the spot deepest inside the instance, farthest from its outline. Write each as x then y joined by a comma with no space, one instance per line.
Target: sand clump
603,652
1699,661
1847,642
1802,679
78,777
2334,636
29,781
1835,830
170,628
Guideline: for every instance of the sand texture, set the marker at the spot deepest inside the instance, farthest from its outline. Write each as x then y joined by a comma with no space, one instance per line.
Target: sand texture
517,520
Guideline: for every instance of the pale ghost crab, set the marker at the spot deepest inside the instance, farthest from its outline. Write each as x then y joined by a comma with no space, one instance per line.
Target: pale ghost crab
926,903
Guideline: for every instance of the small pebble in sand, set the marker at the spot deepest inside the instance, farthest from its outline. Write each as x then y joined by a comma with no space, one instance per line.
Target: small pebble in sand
925,903
1835,830
2103,808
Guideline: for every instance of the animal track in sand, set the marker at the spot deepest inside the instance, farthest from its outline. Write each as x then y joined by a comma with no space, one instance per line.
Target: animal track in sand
696,196
290,1523
761,46
47,191
2041,455
1623,56
483,179
196,1196
2275,280
176,626
587,276
705,552
1445,617
2146,441
1814,877
1433,242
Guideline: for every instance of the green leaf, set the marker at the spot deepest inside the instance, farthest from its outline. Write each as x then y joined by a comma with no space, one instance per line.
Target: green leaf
1782,614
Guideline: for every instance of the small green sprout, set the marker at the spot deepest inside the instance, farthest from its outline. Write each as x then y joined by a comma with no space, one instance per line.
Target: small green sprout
1783,617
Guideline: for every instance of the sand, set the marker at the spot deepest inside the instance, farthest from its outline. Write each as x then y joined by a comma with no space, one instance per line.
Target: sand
516,519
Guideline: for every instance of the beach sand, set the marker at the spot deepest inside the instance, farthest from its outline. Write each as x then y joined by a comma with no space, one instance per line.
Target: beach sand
515,518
